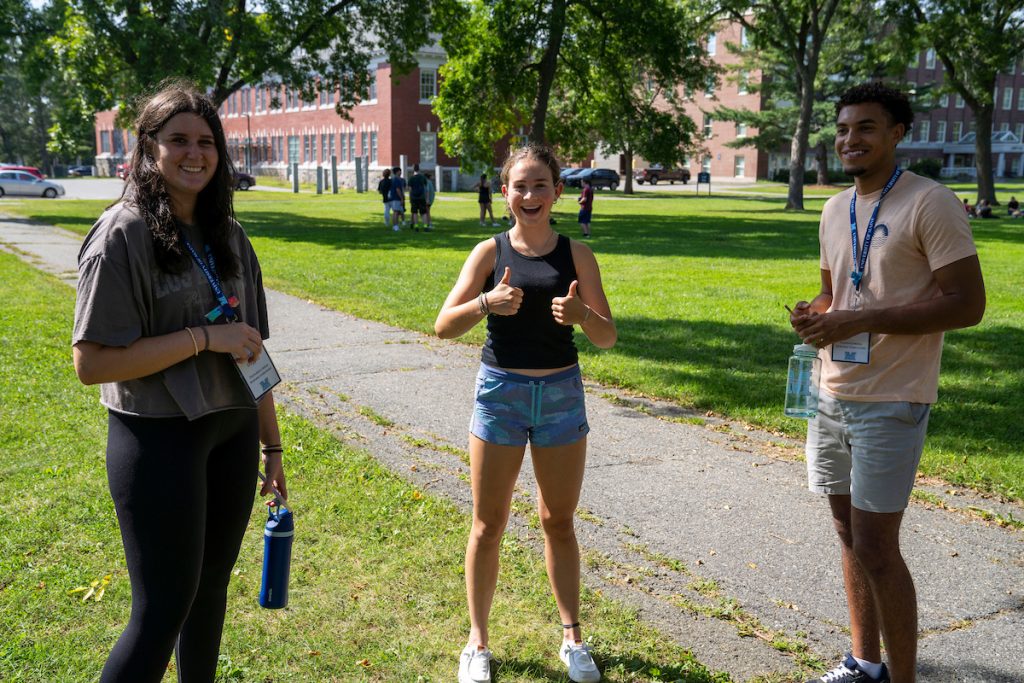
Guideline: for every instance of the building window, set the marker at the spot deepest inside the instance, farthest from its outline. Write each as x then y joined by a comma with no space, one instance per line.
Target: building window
958,130
959,102
940,131
428,84
995,97
944,101
739,167
929,58
744,42
323,147
744,77
923,131
371,95
428,148
709,86
351,146
1019,132
712,44
705,164
105,142
364,146
373,147
707,125
741,130
293,149
325,94
1020,100
1004,127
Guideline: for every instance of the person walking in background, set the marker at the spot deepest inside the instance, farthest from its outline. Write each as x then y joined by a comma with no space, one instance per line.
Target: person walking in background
532,285
586,202
170,300
430,199
384,189
485,199
418,197
898,268
396,195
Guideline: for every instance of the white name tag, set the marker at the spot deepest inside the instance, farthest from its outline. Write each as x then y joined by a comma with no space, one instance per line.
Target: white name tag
856,349
260,376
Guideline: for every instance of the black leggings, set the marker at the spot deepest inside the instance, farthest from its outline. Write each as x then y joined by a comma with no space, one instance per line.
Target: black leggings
183,492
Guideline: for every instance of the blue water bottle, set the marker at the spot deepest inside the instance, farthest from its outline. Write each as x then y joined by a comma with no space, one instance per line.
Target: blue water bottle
277,557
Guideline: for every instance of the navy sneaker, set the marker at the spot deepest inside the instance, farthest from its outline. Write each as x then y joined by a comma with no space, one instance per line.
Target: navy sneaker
849,671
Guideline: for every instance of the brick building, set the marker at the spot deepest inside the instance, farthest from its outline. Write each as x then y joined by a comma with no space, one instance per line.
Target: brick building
394,125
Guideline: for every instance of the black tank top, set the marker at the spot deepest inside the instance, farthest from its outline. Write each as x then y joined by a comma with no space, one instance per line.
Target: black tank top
531,338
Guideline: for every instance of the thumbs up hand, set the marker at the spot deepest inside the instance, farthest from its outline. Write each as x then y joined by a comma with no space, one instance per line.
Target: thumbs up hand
569,309
505,299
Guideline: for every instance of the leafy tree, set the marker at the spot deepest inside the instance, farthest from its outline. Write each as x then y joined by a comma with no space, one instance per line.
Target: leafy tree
882,53
796,31
976,40
569,72
123,47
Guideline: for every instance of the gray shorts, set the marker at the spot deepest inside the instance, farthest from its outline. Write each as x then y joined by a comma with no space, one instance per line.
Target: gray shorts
869,451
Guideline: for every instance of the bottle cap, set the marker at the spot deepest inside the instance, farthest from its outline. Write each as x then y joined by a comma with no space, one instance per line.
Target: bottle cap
805,348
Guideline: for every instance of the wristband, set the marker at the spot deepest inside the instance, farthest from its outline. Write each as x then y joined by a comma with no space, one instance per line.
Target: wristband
195,346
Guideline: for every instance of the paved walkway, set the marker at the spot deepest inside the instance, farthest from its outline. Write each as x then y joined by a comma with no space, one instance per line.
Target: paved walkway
707,529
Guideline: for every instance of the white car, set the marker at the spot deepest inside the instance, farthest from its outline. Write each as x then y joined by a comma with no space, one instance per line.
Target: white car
26,184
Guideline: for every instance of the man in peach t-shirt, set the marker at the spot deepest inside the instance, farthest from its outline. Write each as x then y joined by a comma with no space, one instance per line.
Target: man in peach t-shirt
879,321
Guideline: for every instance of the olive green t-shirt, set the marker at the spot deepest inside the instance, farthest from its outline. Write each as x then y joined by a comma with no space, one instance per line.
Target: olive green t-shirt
124,295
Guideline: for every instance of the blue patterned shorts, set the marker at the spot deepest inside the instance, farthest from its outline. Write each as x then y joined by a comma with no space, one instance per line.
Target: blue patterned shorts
512,409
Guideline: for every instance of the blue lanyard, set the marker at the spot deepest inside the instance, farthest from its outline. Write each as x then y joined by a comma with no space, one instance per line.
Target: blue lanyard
860,263
209,268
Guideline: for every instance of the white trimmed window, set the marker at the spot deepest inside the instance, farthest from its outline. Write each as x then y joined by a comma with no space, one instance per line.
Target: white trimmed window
1019,131
959,102
940,131
929,58
741,130
373,147
372,94
958,130
923,130
944,101
744,77
712,43
707,125
739,167
1008,97
428,84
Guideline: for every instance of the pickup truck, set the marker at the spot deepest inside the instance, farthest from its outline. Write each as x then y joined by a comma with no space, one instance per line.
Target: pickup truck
655,173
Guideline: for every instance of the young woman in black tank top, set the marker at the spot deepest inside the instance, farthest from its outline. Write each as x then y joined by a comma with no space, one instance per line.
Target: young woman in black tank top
532,286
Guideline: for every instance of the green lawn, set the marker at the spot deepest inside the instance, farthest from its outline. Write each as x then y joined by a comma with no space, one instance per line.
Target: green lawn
697,286
377,585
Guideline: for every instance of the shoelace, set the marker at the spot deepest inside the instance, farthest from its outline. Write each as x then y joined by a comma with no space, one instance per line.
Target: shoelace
838,673
581,656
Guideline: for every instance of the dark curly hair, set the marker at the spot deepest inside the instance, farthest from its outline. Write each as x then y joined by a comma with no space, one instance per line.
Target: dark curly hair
532,150
145,188
894,102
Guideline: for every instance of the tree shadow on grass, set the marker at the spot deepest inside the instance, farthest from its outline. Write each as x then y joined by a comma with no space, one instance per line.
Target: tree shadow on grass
636,668
747,237
742,367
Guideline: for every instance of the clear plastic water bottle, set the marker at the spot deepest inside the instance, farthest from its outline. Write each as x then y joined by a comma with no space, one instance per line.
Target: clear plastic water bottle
802,382
277,558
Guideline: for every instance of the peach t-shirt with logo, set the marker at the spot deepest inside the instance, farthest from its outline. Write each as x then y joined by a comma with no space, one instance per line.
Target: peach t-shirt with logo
921,227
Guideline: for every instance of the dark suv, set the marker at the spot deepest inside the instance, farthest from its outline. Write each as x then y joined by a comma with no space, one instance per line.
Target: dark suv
657,172
598,177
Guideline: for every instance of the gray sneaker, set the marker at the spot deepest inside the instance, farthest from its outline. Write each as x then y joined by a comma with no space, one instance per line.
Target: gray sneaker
475,665
577,657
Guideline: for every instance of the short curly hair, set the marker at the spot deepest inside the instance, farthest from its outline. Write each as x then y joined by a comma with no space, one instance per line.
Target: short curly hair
894,102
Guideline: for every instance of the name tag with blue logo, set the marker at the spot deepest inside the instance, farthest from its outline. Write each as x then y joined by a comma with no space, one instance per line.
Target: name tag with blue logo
856,349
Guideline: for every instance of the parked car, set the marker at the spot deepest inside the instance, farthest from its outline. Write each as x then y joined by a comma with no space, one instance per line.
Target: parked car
243,181
568,173
31,170
26,184
598,177
657,172
122,171
78,171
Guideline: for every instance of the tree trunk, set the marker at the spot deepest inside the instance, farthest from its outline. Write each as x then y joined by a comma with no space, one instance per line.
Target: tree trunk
627,159
821,161
798,148
546,70
983,154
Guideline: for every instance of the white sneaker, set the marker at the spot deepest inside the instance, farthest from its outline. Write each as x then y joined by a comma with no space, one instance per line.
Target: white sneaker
582,668
475,665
